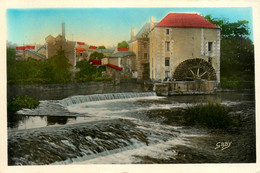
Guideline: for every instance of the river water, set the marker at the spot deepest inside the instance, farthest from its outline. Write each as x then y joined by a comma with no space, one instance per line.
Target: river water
125,128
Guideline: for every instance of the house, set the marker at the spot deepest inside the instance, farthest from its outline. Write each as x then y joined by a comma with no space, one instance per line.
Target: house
24,52
81,51
106,52
114,72
184,47
139,44
125,60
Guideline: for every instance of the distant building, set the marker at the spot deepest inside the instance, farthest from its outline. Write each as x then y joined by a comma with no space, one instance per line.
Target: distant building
125,60
52,45
114,72
140,44
55,44
106,52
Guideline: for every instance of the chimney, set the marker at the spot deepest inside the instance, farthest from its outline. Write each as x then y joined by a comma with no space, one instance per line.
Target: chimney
152,23
63,31
132,33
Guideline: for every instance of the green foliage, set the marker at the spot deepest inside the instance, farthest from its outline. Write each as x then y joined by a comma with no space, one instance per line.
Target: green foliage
88,72
122,44
101,47
30,81
102,79
98,79
58,67
237,63
31,71
96,55
21,72
234,29
237,54
236,83
20,102
10,53
211,115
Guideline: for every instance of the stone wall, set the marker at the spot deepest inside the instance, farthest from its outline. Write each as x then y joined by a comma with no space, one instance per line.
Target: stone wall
60,91
182,87
114,74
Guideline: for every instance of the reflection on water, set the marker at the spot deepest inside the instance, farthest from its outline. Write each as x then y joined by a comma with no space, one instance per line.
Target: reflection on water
52,120
18,122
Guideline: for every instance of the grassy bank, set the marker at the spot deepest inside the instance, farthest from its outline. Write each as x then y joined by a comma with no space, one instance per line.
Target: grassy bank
212,115
20,102
238,83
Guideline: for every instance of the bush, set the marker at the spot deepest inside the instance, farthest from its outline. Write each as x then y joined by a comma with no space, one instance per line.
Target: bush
30,81
20,102
97,79
236,83
102,79
211,115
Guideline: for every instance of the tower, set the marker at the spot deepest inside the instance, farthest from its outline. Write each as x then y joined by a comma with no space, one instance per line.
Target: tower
132,33
63,31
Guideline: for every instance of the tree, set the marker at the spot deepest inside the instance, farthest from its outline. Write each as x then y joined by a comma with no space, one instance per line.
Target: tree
96,55
101,47
24,71
86,70
234,29
60,67
10,53
122,44
237,53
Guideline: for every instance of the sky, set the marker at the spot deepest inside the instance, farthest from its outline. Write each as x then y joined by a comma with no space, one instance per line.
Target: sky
99,26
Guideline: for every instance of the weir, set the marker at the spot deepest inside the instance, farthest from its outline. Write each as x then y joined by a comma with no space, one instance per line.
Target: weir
100,97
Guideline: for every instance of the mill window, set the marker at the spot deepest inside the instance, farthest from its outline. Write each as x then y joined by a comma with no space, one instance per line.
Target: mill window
145,56
210,45
167,62
167,31
167,46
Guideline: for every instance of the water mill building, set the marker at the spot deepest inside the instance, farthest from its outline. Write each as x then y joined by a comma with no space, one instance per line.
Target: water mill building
184,47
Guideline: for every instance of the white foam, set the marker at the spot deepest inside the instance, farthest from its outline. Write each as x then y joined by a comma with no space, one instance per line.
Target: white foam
160,151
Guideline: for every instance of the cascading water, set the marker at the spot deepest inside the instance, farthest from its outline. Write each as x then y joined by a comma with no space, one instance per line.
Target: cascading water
59,107
99,97
113,128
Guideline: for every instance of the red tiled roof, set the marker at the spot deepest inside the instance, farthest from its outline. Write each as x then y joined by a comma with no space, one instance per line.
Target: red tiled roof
80,49
92,47
29,47
24,47
189,20
20,47
114,66
95,61
122,49
80,43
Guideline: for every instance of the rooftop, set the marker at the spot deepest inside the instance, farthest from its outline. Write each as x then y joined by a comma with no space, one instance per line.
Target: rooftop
37,54
122,54
189,20
144,31
114,66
